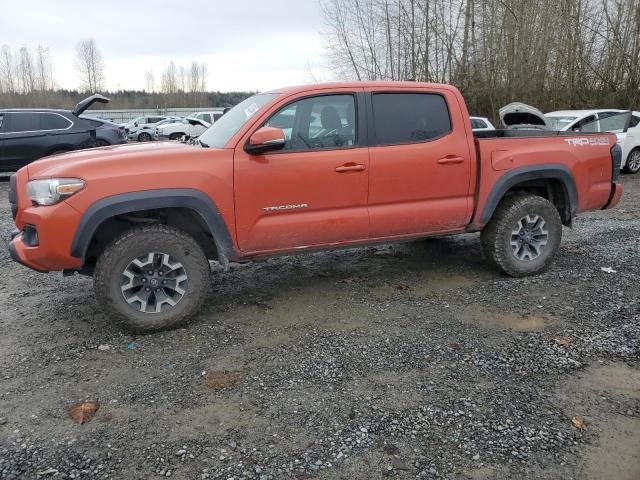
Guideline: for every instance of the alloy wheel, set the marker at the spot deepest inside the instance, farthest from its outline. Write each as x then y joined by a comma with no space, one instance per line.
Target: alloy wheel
529,237
153,283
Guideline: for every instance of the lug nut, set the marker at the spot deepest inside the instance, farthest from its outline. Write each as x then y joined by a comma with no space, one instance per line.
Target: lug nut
160,273
150,272
147,289
164,282
144,280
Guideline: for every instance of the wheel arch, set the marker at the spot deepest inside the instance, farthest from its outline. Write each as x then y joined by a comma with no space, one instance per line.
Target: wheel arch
553,182
190,210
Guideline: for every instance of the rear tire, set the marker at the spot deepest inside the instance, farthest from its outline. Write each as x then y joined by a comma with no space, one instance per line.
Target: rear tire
144,137
523,235
152,278
633,162
176,136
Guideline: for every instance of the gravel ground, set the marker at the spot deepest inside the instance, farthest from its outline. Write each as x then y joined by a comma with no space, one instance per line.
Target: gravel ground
410,361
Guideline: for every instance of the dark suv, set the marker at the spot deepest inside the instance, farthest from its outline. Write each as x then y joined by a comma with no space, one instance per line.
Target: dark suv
29,134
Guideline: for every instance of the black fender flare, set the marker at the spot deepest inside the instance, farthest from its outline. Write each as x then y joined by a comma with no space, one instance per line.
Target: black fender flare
524,174
132,202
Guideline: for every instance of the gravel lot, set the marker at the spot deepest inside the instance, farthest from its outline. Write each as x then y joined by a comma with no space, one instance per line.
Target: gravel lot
411,361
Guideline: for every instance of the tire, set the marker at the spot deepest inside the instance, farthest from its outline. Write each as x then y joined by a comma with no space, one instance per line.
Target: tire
632,165
101,143
176,136
144,137
138,308
539,232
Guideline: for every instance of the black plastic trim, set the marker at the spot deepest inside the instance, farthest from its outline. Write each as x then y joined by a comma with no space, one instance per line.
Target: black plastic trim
616,161
14,254
154,199
524,174
13,195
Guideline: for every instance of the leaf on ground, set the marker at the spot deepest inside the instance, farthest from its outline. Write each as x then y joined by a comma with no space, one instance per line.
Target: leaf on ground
404,286
578,423
220,380
83,412
563,341
455,346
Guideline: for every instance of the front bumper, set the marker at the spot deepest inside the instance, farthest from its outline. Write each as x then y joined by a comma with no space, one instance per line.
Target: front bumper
50,249
616,195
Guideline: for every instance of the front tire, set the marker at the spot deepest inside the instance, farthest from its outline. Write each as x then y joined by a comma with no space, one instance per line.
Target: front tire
152,278
523,235
144,137
633,162
176,136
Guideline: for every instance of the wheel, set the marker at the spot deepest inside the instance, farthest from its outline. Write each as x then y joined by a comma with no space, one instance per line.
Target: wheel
633,162
523,235
101,143
144,137
176,136
151,278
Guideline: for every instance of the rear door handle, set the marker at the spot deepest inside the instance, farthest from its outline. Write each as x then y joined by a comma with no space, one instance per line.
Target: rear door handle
450,159
350,167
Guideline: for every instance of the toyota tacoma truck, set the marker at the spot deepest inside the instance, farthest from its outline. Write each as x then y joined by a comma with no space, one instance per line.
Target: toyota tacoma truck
301,169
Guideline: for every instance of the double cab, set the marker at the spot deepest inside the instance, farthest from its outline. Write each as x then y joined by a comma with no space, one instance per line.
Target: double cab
300,169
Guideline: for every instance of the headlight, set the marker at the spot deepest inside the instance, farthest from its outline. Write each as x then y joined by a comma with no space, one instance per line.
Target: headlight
53,190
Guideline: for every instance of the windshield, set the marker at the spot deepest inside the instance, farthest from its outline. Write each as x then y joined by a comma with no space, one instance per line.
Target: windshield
559,123
231,122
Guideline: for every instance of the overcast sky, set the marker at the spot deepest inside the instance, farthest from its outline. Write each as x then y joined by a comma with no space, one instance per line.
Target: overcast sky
246,44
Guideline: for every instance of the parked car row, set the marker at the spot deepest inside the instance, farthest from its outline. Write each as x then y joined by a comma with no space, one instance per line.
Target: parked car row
162,127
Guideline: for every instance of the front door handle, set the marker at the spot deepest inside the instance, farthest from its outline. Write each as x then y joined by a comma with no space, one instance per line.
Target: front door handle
450,159
350,167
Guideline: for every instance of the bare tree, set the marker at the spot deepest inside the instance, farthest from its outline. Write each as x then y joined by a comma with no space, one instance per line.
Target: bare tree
8,80
149,79
170,78
90,65
27,71
44,69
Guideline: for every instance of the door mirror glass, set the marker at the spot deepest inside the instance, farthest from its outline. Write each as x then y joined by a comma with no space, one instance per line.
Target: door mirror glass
265,139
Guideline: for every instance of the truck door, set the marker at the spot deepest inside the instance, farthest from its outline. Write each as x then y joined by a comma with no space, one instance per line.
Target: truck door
312,192
420,163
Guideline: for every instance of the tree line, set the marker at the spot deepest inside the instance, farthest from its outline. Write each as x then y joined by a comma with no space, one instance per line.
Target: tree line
27,80
550,53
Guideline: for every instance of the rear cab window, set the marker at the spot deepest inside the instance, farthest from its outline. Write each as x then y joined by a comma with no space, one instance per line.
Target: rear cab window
404,118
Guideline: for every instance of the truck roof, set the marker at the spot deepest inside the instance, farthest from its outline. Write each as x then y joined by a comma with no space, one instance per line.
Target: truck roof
365,84
580,113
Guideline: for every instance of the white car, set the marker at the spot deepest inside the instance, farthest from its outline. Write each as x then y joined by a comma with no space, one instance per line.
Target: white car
144,121
188,127
145,133
604,120
481,124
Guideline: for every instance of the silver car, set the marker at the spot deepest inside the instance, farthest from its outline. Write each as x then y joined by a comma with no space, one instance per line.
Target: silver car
145,133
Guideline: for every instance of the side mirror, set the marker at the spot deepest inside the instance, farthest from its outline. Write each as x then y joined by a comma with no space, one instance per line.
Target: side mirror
265,139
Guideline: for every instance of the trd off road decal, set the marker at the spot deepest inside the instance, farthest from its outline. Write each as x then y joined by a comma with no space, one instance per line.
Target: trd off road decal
587,141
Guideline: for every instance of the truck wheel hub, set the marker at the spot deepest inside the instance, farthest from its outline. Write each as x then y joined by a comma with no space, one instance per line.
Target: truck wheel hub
153,283
529,237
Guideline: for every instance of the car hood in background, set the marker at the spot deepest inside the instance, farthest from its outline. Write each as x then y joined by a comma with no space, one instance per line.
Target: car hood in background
522,116
197,121
87,102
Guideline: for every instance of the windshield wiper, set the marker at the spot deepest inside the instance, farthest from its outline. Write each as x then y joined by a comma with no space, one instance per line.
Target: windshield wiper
202,144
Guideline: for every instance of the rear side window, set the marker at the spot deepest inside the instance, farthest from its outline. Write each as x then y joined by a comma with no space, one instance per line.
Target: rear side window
633,123
53,121
23,122
475,123
1,118
409,117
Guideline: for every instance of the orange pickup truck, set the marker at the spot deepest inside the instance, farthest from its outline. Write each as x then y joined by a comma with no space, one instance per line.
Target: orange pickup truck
300,169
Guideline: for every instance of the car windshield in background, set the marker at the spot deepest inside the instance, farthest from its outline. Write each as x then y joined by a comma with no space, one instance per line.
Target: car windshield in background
558,123
231,122
609,122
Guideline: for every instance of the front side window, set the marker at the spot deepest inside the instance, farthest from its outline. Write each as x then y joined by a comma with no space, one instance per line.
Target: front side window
409,117
317,123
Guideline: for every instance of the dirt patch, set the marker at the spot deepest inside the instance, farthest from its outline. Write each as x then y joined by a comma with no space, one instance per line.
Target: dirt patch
605,396
504,320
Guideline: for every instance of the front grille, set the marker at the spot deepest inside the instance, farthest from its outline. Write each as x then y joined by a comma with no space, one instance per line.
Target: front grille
13,196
